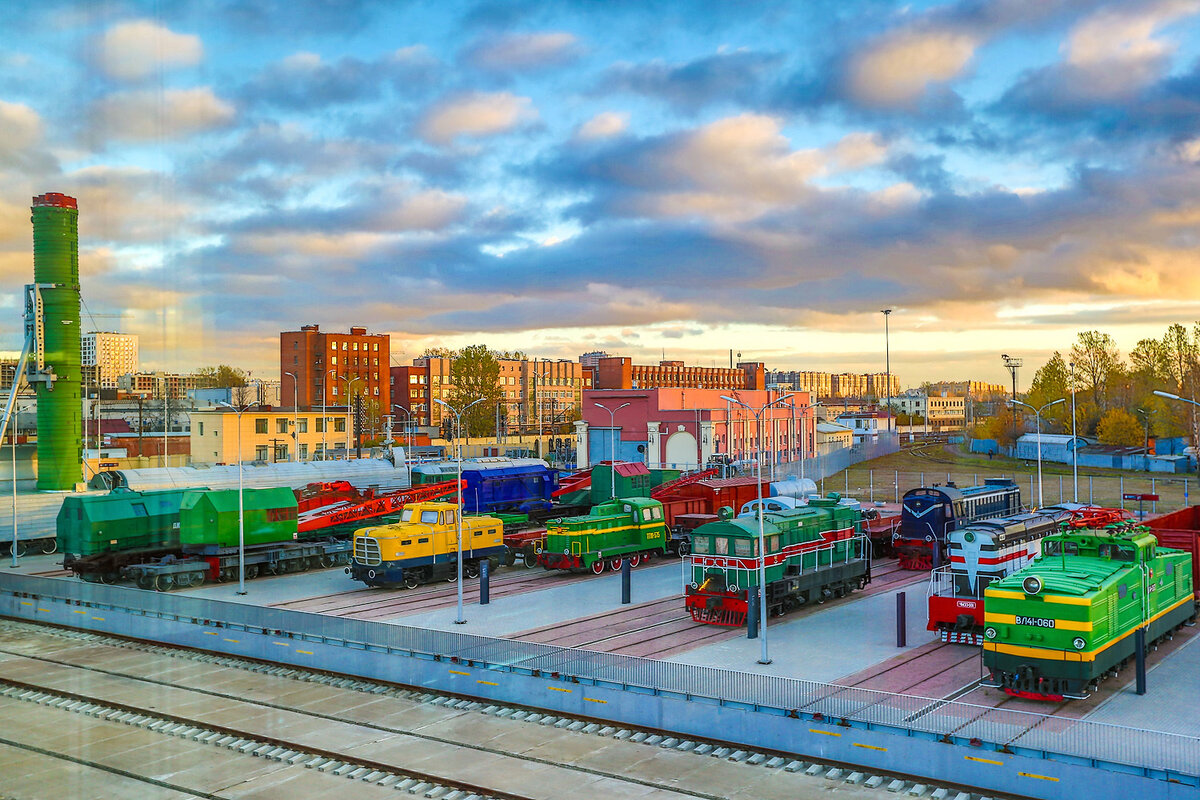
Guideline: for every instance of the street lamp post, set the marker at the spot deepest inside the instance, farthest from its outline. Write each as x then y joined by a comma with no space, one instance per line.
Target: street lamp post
16,414
1074,441
1146,412
295,416
804,429
887,358
1037,413
407,423
324,418
762,537
241,500
349,382
458,515
1170,396
612,442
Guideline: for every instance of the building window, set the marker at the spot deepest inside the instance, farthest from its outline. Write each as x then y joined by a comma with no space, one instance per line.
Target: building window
281,426
375,346
260,426
376,391
335,388
303,426
333,360
304,452
260,453
339,425
356,346
201,428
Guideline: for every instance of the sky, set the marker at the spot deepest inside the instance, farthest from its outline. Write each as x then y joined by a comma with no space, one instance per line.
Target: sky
649,178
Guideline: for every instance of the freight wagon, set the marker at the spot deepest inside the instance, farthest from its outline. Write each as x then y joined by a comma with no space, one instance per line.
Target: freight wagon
812,553
169,539
1055,629
1181,530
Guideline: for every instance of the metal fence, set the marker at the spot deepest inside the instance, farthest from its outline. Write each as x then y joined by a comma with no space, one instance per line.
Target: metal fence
890,485
997,728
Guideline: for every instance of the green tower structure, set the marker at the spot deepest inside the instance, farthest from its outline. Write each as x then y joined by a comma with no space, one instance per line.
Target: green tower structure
54,367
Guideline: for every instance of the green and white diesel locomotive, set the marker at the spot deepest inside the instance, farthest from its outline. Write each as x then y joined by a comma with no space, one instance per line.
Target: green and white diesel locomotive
1056,628
813,552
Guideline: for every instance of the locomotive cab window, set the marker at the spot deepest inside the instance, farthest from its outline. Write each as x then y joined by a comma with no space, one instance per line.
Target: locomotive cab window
773,543
1056,548
745,547
406,515
701,545
645,515
656,513
722,545
429,517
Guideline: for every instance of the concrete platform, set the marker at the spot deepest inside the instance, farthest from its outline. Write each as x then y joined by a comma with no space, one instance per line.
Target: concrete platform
507,615
827,645
1170,700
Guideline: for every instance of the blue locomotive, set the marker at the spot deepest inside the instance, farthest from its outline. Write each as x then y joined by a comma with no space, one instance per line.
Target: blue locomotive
931,512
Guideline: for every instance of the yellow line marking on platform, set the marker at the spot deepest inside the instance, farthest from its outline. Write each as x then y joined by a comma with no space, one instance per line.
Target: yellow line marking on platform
488,683
306,652
456,672
235,641
594,700
823,733
24,603
78,611
98,619
870,747
44,609
1039,777
556,689
984,760
281,644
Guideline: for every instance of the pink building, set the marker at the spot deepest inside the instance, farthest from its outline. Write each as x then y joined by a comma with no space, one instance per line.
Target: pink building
683,428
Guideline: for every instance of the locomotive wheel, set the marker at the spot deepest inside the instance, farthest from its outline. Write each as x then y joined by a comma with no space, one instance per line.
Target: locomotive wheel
49,546
326,561
635,559
143,582
615,565
163,583
471,569
684,548
252,571
598,566
109,578
452,577
21,548
510,558
411,580
530,558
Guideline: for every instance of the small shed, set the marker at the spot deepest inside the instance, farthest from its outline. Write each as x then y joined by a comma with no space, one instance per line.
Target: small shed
1055,446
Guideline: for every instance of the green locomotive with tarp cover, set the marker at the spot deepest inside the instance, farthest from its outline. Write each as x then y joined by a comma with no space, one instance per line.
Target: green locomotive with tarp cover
627,527
813,552
209,520
1054,629
119,522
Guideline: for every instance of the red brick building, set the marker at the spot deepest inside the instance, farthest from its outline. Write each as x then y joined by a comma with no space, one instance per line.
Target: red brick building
329,367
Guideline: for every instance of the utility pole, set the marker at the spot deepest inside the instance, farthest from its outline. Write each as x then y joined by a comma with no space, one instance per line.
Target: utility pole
1013,364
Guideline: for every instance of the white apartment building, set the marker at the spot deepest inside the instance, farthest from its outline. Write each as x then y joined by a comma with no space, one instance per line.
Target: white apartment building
112,354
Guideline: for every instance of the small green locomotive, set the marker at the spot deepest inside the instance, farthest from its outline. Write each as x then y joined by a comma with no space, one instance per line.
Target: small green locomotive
813,552
1054,629
628,527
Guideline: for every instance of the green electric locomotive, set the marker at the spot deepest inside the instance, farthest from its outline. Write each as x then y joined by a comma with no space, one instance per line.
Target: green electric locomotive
1054,629
628,527
813,552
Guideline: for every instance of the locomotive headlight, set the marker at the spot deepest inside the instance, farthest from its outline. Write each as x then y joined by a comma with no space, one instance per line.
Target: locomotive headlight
1032,584
968,536
929,538
1079,642
695,586
990,633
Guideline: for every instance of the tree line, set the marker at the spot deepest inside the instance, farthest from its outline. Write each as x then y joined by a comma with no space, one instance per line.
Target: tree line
1114,396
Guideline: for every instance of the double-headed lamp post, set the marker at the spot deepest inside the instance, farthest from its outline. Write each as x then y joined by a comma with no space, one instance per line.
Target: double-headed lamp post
295,416
762,537
241,499
1037,413
407,424
612,442
349,382
458,515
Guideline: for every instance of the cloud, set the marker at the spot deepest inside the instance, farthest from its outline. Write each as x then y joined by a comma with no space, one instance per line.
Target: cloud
604,125
1112,60
475,115
146,115
133,51
518,52
735,77
305,80
21,140
896,71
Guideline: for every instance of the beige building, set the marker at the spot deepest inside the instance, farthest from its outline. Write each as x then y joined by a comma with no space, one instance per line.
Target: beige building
112,354
266,435
946,413
152,384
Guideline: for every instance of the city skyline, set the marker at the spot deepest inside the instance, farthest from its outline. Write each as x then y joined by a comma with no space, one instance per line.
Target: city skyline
662,179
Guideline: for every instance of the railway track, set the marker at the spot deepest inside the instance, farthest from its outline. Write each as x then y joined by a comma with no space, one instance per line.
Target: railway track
180,723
